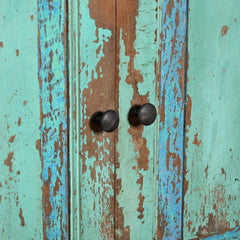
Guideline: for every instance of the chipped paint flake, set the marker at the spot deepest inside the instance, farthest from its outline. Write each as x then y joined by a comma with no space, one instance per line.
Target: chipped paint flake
224,30
8,161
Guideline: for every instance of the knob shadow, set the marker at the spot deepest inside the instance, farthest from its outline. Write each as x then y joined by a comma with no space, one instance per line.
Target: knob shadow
94,125
132,116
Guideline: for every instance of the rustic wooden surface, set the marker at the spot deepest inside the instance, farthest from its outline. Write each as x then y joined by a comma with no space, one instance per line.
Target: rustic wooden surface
127,184
211,202
20,163
116,62
92,69
137,76
33,166
227,235
171,144
53,109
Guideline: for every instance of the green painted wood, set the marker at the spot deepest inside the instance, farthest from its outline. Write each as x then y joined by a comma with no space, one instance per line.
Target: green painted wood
33,122
138,39
20,163
212,186
74,115
92,89
115,62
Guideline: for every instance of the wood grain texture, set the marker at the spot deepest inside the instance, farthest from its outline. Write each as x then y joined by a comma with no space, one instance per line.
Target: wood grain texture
53,109
20,163
92,89
137,75
212,126
171,144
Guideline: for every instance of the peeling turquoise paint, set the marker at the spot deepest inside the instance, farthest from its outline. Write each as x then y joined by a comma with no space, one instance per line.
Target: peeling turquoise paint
95,193
142,225
174,24
52,82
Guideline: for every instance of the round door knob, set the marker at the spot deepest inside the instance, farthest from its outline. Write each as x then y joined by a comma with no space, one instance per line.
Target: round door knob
145,114
106,121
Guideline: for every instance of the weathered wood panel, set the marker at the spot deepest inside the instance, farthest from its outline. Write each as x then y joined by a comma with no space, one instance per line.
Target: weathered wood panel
132,76
20,163
33,177
171,145
212,124
53,109
92,89
137,76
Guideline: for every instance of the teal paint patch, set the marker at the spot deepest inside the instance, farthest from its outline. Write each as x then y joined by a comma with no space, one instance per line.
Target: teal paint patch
52,81
20,163
212,155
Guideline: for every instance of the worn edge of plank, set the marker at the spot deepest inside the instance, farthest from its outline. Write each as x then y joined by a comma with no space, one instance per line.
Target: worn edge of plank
53,105
171,158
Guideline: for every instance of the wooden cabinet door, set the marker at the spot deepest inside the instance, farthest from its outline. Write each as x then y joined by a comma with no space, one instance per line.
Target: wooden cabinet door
175,179
212,173
33,122
126,184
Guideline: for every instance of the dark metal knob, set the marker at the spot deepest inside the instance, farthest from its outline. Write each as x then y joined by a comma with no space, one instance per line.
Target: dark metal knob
145,114
106,121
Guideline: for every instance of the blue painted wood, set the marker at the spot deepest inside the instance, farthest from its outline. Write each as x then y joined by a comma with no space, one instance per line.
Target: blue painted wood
171,144
53,95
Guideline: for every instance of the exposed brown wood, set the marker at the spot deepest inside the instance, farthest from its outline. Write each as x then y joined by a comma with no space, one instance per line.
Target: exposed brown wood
99,95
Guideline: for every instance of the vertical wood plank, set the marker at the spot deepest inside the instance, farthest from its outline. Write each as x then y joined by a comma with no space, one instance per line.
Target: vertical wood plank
173,58
53,106
20,163
212,138
92,89
137,76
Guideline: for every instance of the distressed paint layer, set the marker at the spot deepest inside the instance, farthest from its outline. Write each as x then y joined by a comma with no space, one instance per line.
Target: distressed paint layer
137,147
92,89
228,235
53,98
173,57
20,163
212,166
